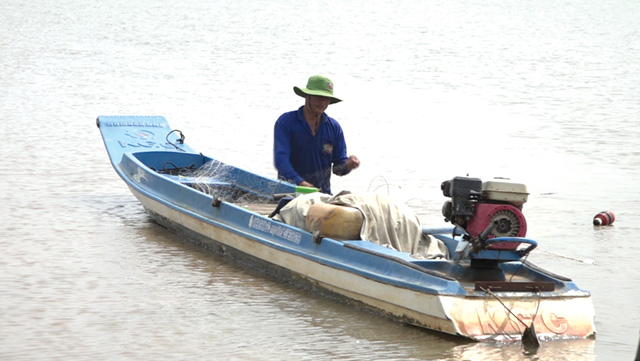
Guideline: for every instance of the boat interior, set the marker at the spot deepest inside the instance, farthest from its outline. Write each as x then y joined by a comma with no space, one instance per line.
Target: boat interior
231,185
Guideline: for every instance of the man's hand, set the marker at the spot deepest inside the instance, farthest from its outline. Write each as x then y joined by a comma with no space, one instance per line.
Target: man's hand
306,184
353,162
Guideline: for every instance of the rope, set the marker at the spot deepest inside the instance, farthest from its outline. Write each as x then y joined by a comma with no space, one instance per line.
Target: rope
488,291
180,141
585,261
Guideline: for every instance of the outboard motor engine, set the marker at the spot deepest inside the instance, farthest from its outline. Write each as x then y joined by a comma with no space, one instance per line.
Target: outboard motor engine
486,209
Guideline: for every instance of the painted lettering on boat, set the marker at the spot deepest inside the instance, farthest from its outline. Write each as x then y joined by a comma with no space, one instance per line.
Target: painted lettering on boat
494,320
132,124
142,138
555,322
145,144
140,134
274,229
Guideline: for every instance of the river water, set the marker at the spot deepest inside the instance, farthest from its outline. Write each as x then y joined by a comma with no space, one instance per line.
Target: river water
544,92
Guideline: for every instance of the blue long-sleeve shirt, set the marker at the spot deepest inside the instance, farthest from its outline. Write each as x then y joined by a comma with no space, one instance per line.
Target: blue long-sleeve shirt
299,155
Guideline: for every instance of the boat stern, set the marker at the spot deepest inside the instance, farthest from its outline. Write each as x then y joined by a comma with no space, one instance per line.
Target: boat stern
558,317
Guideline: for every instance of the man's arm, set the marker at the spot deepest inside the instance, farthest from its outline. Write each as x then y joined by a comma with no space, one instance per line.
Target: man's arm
282,153
342,164
344,168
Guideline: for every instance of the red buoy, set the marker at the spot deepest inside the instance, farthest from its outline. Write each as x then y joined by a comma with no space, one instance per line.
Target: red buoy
604,218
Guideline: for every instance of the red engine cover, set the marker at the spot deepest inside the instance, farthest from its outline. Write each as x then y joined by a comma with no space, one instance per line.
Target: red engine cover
511,223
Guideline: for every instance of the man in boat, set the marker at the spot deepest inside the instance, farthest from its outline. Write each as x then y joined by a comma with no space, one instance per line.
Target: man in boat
307,142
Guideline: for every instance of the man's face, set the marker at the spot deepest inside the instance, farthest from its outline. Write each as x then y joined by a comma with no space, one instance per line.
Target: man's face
318,104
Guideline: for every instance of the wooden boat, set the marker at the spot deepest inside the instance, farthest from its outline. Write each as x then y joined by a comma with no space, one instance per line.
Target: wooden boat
482,290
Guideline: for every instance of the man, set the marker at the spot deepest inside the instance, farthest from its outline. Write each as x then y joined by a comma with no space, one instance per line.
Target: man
307,141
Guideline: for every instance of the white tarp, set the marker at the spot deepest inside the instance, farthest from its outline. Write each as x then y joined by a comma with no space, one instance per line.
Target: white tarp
386,222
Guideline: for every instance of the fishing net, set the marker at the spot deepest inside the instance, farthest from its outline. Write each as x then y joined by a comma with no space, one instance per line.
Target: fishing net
218,180
214,178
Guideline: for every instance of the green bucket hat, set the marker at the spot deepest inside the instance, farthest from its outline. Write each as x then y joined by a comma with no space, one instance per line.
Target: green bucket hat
318,85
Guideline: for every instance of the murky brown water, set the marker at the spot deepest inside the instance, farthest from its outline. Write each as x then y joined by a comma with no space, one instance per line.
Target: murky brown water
545,93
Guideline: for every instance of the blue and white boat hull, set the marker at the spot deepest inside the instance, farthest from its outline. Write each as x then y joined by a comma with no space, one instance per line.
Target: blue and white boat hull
435,294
